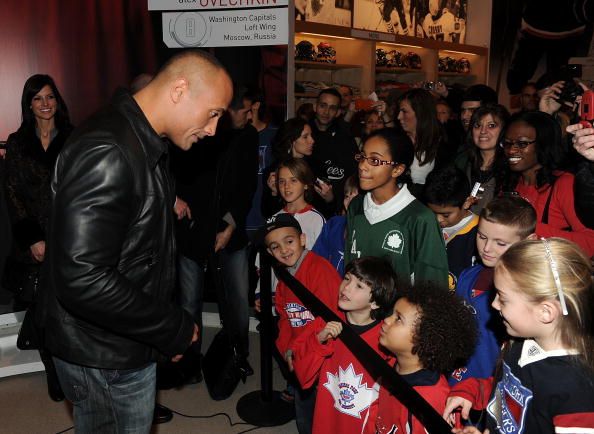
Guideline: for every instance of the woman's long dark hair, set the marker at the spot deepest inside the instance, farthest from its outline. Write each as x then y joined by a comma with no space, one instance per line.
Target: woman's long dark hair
498,166
32,87
285,136
550,150
429,134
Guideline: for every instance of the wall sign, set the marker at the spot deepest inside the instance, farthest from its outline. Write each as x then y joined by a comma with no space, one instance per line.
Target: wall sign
263,26
178,5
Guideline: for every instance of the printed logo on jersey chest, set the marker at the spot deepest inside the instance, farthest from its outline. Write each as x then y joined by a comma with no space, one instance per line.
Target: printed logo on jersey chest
509,403
394,241
350,395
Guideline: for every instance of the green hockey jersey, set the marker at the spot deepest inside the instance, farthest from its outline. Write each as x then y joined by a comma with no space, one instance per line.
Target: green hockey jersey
404,232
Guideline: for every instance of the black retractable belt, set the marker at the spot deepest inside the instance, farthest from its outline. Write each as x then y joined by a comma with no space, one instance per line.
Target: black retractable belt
372,361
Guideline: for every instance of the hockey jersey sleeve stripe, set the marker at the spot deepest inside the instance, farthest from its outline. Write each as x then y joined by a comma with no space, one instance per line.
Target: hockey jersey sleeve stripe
574,423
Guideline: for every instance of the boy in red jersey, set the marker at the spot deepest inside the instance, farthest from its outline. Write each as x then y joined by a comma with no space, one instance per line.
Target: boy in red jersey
286,242
346,399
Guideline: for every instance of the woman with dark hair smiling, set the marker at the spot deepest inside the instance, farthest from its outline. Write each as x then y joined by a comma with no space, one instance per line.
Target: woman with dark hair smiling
418,118
534,152
31,153
486,160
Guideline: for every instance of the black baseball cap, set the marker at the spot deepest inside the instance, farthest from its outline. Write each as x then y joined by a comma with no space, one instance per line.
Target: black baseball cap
278,221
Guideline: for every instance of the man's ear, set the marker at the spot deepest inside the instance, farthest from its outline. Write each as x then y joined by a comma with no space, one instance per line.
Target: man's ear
532,236
374,305
302,239
256,106
178,88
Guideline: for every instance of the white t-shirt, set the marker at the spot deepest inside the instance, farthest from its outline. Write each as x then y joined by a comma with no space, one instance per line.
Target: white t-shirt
419,173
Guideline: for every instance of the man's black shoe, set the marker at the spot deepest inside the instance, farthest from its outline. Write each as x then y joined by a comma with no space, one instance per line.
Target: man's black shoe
191,367
162,414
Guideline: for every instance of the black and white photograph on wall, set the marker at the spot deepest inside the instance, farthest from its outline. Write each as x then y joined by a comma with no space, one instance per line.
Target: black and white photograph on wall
336,12
389,16
443,20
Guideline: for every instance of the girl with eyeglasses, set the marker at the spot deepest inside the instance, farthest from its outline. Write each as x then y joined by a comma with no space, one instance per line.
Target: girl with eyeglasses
388,221
545,379
534,152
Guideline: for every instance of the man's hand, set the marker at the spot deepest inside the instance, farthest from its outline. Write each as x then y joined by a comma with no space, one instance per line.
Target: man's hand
583,140
441,89
548,98
257,305
289,360
38,251
223,238
182,209
271,183
325,191
195,336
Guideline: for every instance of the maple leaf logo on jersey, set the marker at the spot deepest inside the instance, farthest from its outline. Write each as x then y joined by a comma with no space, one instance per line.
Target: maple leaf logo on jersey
350,396
394,241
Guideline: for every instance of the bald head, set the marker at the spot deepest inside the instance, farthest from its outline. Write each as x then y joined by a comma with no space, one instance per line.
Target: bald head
187,97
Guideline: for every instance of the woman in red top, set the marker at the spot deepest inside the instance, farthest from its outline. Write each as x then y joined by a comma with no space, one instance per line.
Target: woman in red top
534,151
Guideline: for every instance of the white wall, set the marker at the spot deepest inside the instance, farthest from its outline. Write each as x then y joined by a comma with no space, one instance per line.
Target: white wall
478,30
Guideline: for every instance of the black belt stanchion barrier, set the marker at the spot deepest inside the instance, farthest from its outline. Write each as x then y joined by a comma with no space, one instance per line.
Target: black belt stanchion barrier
375,365
265,407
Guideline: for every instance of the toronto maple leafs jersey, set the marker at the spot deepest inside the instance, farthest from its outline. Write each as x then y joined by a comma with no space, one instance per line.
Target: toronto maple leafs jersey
346,400
410,240
394,418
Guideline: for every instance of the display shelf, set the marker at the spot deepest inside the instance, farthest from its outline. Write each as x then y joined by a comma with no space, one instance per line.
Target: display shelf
356,56
305,95
397,70
323,65
456,74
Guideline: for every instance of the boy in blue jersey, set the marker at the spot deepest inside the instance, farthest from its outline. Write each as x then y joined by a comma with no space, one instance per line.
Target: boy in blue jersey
503,222
447,194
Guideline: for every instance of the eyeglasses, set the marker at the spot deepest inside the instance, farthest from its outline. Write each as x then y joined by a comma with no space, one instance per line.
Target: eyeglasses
373,161
520,144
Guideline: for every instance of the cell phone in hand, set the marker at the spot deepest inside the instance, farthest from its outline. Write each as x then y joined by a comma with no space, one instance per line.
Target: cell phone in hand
322,181
587,109
476,189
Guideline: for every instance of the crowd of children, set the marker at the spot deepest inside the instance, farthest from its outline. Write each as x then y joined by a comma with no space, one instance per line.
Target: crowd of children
451,283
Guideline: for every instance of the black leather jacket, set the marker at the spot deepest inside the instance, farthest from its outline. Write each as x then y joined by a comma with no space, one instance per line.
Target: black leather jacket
111,248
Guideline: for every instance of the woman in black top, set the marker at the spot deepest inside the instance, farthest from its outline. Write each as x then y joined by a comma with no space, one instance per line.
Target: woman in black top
31,154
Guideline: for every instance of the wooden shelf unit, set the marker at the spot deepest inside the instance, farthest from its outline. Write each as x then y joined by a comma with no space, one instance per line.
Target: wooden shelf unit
355,60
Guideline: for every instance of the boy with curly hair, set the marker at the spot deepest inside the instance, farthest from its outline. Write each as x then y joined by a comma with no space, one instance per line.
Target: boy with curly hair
431,331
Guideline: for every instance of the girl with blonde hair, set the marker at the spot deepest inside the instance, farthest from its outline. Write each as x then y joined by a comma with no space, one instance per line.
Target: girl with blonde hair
545,380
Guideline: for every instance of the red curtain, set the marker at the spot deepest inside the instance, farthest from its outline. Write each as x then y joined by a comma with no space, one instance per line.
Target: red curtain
89,47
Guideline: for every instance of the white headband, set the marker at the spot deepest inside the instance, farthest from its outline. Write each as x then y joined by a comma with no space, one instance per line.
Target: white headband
556,278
